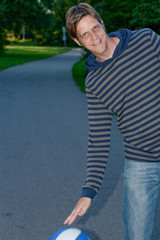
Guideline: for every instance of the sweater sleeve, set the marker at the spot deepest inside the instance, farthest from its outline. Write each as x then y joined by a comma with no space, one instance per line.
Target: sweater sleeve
98,144
155,41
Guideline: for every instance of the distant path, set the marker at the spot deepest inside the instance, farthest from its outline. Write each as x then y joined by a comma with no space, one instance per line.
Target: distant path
43,146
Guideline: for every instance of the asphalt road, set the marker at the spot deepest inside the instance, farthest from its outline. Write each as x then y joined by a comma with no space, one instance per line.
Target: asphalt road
43,146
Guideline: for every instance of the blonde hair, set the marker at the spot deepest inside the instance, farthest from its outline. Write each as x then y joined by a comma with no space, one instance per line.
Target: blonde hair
76,13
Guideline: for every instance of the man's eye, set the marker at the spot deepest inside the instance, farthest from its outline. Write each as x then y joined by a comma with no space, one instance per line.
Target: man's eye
85,35
96,28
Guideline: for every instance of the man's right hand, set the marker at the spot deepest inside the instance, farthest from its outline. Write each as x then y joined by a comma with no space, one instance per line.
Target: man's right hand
79,210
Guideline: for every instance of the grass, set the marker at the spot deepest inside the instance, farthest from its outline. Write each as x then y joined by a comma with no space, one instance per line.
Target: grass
15,55
79,73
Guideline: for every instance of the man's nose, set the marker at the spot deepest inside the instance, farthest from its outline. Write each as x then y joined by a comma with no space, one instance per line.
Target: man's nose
94,36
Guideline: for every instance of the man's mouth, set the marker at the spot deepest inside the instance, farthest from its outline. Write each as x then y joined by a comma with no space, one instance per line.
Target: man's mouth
97,43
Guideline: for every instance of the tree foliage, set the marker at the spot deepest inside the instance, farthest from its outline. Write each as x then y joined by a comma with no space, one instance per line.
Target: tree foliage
30,14
147,14
44,19
2,23
115,14
129,14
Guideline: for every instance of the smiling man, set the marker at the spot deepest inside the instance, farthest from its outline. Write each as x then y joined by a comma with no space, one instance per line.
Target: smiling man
124,78
91,34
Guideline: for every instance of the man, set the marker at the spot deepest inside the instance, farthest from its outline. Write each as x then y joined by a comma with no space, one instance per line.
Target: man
124,78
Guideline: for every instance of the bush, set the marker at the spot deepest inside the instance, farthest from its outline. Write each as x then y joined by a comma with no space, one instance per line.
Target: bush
79,73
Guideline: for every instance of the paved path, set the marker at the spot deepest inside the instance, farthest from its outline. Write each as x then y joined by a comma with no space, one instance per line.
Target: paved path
43,146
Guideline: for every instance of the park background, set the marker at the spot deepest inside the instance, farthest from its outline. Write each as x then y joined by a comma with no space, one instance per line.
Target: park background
40,22
34,29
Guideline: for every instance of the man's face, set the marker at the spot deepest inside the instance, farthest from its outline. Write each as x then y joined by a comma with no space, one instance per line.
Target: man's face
91,35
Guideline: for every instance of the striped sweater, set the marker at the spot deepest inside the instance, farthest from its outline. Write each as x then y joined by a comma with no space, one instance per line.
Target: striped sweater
127,84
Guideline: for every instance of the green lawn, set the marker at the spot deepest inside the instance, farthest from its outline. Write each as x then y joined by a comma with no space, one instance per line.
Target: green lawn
15,55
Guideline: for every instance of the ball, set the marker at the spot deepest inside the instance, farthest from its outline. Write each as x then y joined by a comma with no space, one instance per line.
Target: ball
69,234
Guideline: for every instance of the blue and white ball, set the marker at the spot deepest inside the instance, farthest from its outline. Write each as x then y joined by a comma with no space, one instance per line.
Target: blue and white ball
69,234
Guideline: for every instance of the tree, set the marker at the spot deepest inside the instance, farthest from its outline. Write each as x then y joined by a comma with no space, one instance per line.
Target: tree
28,13
2,23
44,19
116,14
59,8
147,14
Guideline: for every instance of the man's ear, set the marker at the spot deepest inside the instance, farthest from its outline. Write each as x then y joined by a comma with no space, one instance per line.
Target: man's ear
77,41
103,25
102,22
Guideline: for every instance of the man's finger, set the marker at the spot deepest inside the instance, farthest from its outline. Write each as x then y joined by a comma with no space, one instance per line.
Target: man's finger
71,218
79,210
